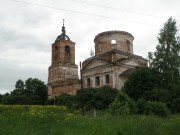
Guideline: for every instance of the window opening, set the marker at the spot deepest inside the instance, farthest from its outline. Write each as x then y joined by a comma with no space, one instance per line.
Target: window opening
67,54
107,79
88,82
97,81
128,44
113,41
56,53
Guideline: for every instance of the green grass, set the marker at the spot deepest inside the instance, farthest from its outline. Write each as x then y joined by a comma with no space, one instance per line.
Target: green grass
49,120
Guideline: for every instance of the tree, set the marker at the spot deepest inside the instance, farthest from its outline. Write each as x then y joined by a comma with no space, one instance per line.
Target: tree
33,91
141,83
19,88
160,82
37,89
166,59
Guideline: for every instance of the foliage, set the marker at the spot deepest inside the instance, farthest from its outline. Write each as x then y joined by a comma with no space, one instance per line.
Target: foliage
141,105
166,59
94,98
156,108
122,105
152,108
55,120
174,101
97,98
33,91
67,100
137,88
50,102
141,83
146,83
1,96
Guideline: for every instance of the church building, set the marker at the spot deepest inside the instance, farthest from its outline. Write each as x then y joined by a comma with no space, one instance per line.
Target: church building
113,62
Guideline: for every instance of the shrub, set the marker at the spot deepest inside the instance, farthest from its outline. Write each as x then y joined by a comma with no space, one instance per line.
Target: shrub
123,104
156,108
97,98
174,102
49,102
140,105
67,100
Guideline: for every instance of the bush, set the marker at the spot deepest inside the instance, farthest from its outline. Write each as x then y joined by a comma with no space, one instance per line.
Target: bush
147,84
122,105
170,96
156,108
63,99
67,100
97,98
49,102
141,105
174,102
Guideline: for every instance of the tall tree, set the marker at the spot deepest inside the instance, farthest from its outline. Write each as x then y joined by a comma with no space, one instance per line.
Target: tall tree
33,91
166,59
141,83
19,88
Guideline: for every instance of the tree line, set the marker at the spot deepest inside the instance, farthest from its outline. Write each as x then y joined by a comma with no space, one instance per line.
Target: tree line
32,91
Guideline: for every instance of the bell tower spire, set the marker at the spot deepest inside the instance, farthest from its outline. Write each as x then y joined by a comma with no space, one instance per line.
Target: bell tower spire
63,35
63,29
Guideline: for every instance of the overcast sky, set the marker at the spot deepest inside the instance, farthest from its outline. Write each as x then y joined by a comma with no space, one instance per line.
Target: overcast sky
27,30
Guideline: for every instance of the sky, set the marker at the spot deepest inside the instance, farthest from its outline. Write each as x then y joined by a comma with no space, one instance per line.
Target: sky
28,28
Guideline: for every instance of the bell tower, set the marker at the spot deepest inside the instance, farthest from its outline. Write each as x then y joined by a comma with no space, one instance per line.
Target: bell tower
63,72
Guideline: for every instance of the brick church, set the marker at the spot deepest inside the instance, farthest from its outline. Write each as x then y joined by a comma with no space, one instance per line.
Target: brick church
113,62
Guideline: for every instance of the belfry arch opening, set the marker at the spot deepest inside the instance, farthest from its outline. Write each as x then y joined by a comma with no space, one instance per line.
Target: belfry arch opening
55,52
67,54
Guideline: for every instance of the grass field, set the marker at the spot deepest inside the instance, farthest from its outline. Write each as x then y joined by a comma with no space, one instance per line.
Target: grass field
52,120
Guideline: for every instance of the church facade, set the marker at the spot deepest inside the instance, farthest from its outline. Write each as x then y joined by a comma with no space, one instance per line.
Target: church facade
113,62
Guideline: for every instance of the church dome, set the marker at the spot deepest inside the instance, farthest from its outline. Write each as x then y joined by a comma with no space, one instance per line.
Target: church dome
63,34
109,40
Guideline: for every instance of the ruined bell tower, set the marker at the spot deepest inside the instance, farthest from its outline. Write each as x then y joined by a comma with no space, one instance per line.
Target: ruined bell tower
63,72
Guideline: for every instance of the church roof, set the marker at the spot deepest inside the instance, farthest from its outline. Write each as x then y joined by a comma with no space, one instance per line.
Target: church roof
127,72
130,55
102,57
107,33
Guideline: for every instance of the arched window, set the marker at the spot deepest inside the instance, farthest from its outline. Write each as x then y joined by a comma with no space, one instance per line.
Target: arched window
128,45
67,54
56,53
68,74
99,48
